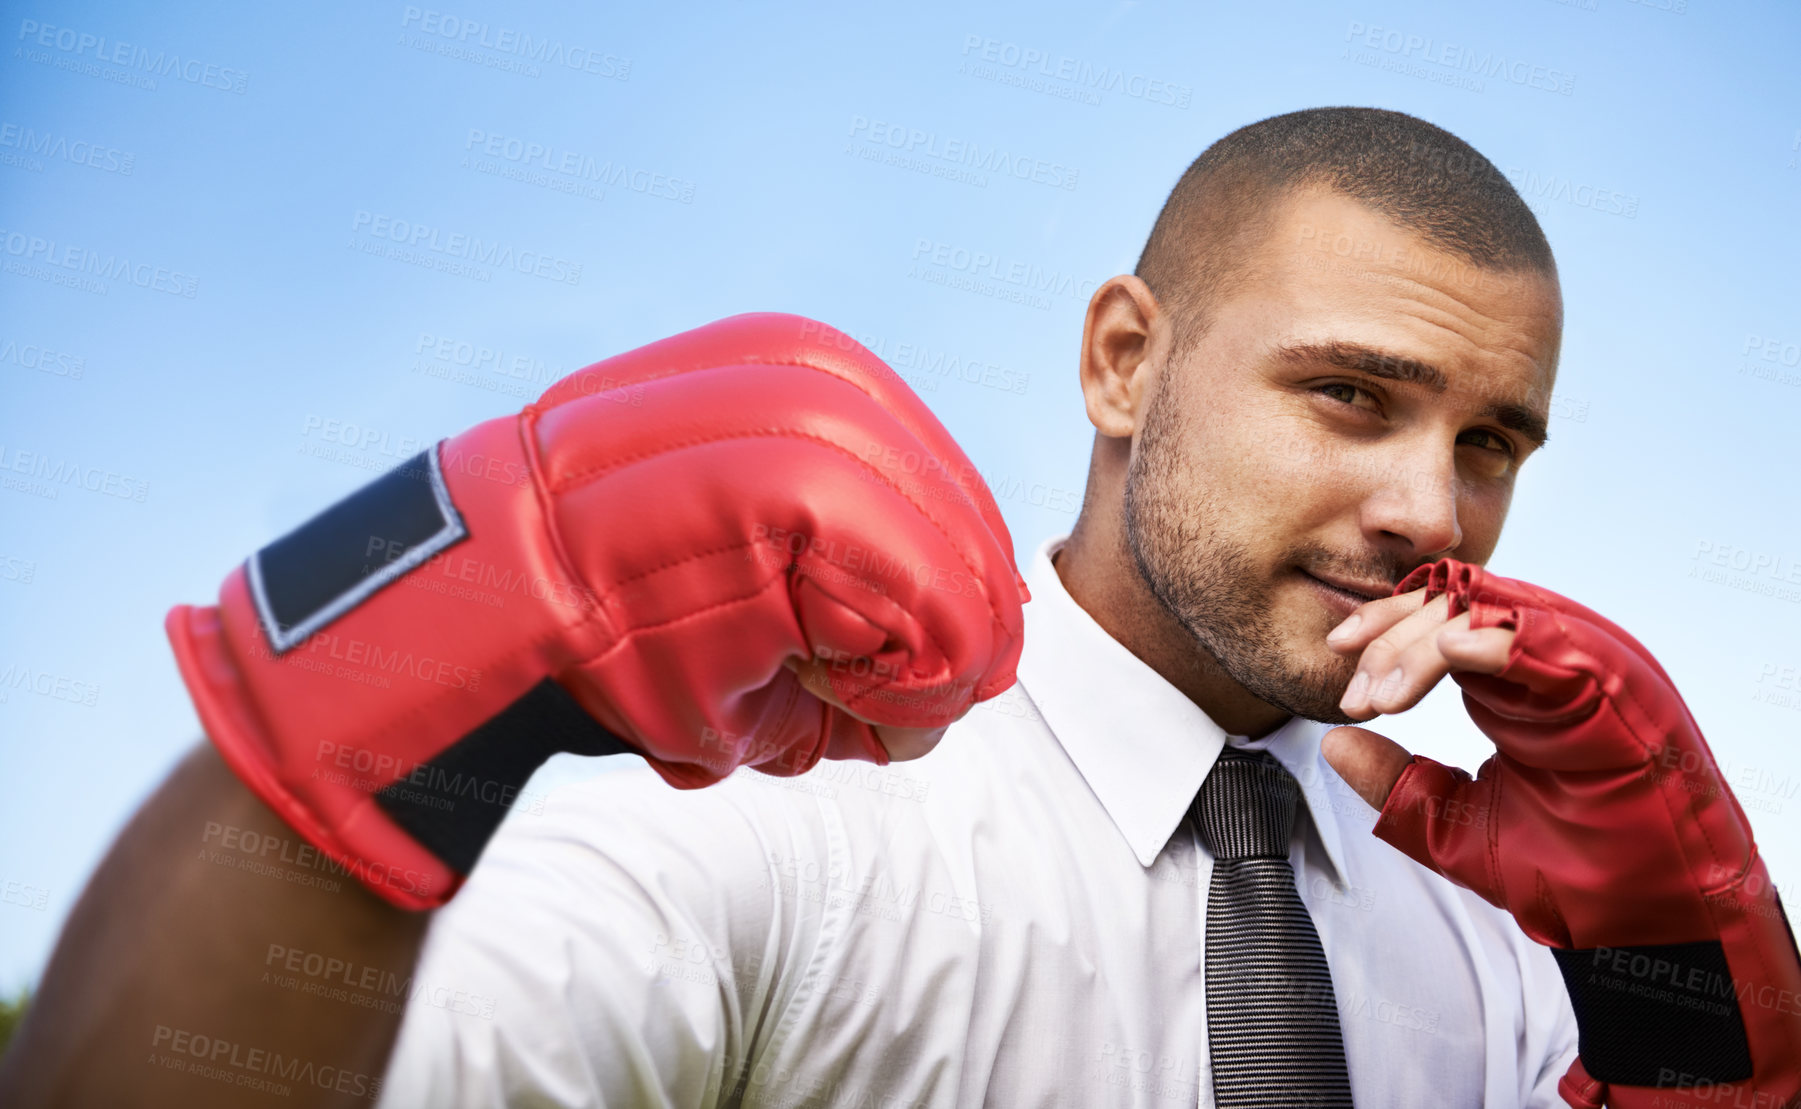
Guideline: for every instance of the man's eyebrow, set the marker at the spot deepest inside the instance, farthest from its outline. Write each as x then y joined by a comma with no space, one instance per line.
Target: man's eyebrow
1393,367
1368,360
1517,417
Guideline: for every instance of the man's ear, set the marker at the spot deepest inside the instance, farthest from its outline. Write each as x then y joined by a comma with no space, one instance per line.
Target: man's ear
1125,338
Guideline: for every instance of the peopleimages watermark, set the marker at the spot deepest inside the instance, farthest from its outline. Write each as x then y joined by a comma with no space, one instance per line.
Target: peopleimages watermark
1143,1071
504,48
1768,573
1733,886
36,356
835,884
872,892
87,269
24,895
994,275
322,651
264,1070
453,252
360,446
46,476
1696,774
333,978
1531,184
679,958
426,783
452,350
487,581
919,474
362,437
466,362
1534,186
15,677
1776,685
908,143
21,570
926,363
370,448
129,64
1675,984
1401,259
1411,1017
248,850
1038,70
1459,61
27,149
566,170
1771,358
869,568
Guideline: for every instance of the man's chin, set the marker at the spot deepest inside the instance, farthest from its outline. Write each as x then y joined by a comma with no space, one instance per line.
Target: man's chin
1311,704
1314,689
1330,714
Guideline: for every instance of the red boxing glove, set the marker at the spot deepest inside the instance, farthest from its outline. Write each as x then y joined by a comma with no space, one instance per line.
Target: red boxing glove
627,564
1603,825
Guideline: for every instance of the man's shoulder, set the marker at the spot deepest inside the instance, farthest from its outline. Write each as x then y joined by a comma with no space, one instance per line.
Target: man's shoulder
605,803
593,795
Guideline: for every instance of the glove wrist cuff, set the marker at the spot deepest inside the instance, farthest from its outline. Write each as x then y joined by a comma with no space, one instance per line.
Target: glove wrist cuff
1656,1014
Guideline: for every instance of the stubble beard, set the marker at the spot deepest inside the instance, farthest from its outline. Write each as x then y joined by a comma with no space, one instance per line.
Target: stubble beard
1209,583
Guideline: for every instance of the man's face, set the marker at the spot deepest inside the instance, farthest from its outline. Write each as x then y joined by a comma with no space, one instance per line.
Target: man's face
1358,407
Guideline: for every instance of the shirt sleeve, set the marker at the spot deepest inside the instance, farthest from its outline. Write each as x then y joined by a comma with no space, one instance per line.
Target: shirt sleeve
628,945
1549,1036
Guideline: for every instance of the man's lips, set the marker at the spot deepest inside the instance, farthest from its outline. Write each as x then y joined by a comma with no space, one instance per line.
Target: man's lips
1362,591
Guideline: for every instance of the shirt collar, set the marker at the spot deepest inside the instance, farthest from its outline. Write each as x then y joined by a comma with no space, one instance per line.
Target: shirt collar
1143,747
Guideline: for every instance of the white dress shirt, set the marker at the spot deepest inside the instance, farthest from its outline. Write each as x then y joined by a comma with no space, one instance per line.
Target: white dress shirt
1016,919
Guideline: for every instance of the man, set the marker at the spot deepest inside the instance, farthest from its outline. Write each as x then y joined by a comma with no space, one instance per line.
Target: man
1139,877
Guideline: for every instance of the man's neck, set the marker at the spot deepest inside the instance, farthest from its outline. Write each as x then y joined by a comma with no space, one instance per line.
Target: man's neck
1109,588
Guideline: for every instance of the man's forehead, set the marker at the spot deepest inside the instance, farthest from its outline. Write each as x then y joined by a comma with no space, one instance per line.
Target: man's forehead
1370,283
1327,239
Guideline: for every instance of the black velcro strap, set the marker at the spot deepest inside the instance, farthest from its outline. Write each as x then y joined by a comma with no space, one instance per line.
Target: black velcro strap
453,803
1661,1015
330,564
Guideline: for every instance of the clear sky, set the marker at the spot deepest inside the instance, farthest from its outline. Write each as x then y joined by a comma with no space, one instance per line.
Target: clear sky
208,327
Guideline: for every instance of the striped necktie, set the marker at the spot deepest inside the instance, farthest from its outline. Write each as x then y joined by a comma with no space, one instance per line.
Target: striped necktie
1272,1019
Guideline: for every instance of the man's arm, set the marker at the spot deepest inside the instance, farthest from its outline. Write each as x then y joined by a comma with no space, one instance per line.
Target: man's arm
669,578
627,944
1602,824
157,993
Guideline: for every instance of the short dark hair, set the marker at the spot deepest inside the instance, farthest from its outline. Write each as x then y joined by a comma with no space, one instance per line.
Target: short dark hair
1416,173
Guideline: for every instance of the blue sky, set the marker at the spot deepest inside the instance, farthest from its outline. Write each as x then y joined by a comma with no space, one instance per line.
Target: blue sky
255,346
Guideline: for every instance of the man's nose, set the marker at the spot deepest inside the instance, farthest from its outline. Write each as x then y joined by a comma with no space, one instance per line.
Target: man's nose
1415,500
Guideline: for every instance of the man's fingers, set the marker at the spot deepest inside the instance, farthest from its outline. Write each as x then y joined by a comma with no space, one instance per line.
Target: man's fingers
1424,662
1482,650
1399,666
906,744
1389,624
1403,681
1372,619
901,743
1369,763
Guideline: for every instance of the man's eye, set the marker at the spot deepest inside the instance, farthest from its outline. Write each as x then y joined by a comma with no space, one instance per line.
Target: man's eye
1494,458
1347,393
1489,440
